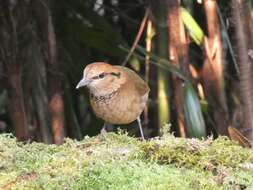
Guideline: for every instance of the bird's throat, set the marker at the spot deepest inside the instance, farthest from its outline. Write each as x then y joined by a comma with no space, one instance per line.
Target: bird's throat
104,97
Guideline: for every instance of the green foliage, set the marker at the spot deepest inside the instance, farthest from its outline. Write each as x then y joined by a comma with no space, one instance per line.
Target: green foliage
193,115
192,26
157,61
135,63
82,33
82,25
117,161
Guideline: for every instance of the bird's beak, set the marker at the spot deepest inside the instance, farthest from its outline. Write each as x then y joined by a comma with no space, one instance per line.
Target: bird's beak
83,82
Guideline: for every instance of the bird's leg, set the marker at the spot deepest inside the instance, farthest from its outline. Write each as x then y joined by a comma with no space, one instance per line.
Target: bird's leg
106,128
103,131
140,127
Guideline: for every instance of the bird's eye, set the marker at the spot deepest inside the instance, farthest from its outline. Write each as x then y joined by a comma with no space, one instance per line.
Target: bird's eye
102,75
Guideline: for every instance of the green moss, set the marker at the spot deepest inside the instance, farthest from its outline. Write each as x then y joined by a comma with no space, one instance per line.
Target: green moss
136,174
117,161
195,153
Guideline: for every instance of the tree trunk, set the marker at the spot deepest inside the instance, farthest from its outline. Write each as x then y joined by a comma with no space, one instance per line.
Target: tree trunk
56,105
161,46
40,97
12,19
212,72
72,125
243,29
54,79
178,54
16,101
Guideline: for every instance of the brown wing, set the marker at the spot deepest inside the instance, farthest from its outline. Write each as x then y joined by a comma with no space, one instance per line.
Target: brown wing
139,83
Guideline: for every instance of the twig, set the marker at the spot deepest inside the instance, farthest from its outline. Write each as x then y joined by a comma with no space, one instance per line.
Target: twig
138,36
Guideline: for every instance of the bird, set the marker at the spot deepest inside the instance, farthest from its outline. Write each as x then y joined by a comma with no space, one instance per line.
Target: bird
118,95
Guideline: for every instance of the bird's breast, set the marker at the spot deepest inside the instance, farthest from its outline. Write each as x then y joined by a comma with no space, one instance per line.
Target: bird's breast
118,107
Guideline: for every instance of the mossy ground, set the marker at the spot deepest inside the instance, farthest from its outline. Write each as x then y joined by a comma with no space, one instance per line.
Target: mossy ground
117,161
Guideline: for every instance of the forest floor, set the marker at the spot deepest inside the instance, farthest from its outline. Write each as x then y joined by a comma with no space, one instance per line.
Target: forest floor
117,161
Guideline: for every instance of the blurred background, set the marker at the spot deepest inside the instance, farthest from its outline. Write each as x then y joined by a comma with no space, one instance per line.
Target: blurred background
196,56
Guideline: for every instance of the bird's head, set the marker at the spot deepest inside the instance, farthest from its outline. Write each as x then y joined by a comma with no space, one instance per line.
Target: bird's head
101,78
